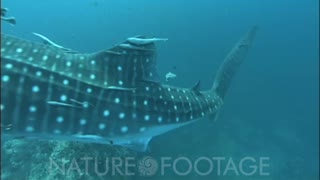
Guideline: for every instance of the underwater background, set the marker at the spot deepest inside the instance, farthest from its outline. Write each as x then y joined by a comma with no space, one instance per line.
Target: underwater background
271,109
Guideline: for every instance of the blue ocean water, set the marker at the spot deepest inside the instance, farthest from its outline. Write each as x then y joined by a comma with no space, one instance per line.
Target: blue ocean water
272,108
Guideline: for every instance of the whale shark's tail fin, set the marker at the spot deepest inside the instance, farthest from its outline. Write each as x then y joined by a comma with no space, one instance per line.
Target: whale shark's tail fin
231,63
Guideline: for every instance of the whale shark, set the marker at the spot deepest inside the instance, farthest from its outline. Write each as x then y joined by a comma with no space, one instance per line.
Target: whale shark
113,96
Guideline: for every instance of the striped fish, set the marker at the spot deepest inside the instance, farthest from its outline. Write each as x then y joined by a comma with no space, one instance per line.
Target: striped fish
111,97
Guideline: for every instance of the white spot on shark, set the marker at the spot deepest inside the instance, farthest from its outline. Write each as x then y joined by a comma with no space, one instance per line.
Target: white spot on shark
8,66
89,90
177,119
142,129
92,76
117,100
68,63
32,108
25,69
124,129
63,97
106,113
119,68
65,82
59,119
38,73
5,78
146,117
122,115
29,128
102,126
57,131
35,89
83,121
19,50
45,57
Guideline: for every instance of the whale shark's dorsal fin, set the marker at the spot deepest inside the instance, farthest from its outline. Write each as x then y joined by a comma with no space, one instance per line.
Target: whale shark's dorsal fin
127,67
116,67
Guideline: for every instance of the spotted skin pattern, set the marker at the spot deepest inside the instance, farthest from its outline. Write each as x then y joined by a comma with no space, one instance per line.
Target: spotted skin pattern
112,95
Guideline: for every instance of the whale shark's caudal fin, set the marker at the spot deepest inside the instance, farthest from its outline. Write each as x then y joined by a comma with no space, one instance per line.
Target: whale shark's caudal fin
231,63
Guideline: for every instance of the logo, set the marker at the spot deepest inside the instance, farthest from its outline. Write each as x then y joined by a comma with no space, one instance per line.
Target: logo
147,166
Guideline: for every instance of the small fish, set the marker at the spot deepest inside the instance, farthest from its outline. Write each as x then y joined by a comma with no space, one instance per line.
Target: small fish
129,46
78,104
4,11
56,103
170,75
10,20
144,41
49,42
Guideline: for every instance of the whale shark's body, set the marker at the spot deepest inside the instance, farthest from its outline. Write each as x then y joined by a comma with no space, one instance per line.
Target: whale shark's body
110,97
